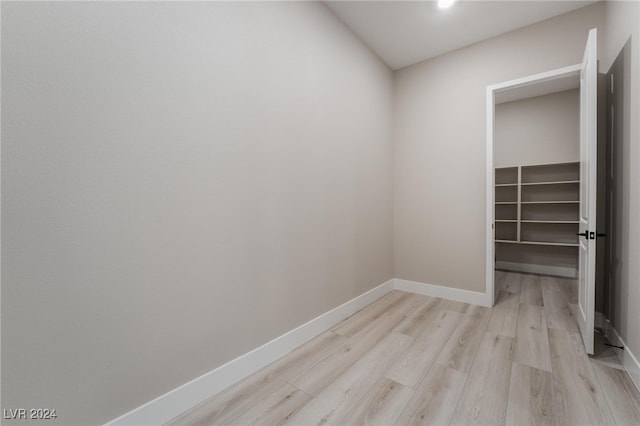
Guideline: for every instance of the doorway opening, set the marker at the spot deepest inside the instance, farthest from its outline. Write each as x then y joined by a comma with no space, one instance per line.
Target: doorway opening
533,180
536,204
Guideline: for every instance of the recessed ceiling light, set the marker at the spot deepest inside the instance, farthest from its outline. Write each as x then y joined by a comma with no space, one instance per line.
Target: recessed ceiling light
443,4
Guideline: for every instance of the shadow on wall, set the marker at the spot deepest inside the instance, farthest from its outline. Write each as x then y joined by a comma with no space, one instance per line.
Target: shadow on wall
618,98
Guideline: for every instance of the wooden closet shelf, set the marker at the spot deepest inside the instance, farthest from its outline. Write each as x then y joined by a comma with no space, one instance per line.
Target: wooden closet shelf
538,243
558,182
542,207
549,243
551,221
550,202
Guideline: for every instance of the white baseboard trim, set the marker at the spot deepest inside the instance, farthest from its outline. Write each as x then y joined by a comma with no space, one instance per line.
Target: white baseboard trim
450,293
177,401
558,271
628,359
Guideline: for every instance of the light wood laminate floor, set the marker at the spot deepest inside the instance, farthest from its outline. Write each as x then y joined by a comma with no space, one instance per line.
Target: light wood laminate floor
409,359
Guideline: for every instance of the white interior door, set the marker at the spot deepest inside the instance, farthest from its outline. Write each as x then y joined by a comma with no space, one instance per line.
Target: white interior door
588,162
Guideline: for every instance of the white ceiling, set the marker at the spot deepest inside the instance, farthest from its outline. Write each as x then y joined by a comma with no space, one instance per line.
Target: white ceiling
403,33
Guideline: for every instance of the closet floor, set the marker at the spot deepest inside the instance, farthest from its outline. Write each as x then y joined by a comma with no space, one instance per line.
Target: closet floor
409,359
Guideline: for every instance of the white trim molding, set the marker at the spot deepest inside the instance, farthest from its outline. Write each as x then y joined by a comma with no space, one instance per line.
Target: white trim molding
629,359
450,293
179,400
558,271
490,231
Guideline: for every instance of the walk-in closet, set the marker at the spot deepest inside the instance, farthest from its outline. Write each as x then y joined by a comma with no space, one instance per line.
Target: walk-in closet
537,183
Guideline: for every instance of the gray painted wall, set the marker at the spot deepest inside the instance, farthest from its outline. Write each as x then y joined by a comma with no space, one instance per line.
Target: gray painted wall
623,28
181,183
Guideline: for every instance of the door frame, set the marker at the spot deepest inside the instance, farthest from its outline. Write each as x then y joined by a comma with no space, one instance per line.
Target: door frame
492,90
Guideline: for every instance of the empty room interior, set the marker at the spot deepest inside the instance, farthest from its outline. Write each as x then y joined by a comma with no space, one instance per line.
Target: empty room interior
320,212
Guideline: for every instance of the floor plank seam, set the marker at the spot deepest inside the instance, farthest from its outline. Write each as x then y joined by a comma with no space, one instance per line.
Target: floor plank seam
453,412
466,378
504,423
606,397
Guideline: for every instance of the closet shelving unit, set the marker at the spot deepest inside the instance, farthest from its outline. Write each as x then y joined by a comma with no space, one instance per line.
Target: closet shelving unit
537,204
